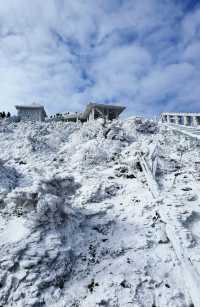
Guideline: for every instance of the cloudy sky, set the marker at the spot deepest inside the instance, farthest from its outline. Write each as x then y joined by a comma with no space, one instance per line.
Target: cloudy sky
144,54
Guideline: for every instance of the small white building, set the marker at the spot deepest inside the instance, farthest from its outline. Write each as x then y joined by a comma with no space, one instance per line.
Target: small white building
32,112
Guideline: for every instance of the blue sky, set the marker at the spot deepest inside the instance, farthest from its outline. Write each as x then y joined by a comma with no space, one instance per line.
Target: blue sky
143,54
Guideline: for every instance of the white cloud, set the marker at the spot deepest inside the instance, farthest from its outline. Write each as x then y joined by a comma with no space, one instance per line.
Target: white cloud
191,26
65,53
192,52
117,73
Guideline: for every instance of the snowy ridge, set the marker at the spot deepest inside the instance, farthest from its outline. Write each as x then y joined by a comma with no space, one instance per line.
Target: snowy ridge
99,215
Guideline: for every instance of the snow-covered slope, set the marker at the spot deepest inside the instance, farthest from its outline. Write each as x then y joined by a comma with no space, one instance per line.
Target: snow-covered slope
99,215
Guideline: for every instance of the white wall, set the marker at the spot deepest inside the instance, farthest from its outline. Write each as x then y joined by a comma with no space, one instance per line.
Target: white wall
31,114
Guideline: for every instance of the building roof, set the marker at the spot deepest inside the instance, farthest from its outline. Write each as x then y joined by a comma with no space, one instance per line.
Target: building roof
91,105
181,113
30,106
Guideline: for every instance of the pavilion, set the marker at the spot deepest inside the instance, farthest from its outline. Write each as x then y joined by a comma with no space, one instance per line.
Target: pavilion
94,111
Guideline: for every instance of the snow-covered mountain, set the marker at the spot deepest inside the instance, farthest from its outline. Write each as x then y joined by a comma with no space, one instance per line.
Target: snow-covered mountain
99,214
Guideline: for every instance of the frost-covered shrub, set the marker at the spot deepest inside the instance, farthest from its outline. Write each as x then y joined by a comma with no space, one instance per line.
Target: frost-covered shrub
61,185
45,202
95,143
94,152
37,138
116,132
8,178
168,164
91,130
61,132
49,209
5,129
128,127
147,126
12,119
21,201
36,143
54,195
97,192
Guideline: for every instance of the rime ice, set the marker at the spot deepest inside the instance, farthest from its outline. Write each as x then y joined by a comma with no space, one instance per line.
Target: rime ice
99,214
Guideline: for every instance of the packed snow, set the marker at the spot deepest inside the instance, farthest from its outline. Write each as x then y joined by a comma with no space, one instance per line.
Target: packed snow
99,214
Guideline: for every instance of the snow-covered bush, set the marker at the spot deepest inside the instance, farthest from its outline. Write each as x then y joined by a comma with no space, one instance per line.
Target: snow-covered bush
94,152
129,126
45,202
147,126
54,196
90,130
98,191
115,131
12,119
95,143
8,177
